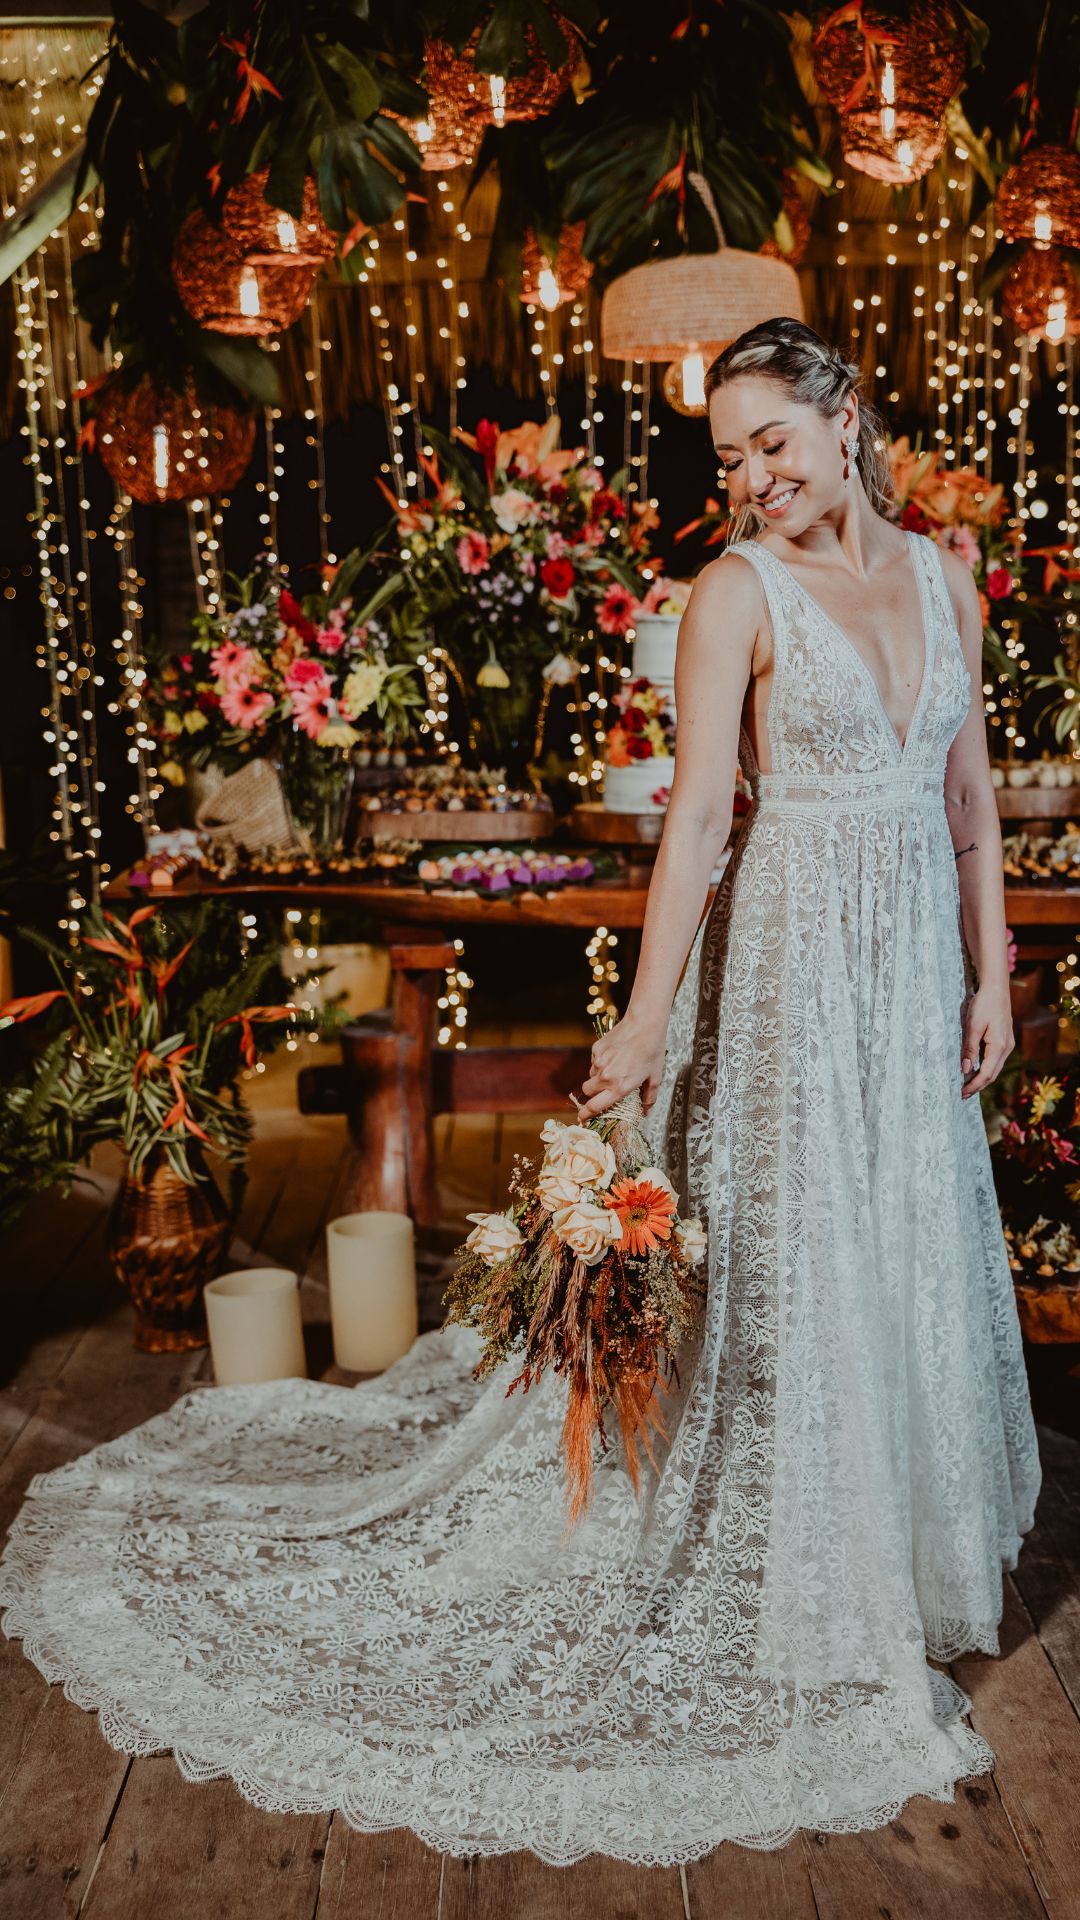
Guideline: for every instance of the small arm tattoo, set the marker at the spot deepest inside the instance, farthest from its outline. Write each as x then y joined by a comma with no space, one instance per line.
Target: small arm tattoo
974,848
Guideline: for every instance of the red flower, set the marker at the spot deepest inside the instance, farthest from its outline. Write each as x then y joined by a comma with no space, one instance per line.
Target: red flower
292,613
556,492
207,700
633,719
558,577
28,1007
638,747
487,440
616,613
914,518
999,583
606,502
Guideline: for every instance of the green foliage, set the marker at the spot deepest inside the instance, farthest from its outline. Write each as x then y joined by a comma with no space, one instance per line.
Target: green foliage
144,1045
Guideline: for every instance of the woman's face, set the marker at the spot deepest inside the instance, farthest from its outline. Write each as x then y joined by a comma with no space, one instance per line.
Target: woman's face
778,454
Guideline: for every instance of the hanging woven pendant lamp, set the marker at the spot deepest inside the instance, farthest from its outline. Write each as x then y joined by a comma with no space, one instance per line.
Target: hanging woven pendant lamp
1039,198
1041,295
549,284
226,292
463,92
160,444
890,74
686,310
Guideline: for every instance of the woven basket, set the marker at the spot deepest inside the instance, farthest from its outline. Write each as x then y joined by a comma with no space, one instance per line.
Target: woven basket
166,1239
229,294
268,237
458,91
571,270
1041,295
926,52
248,811
1039,198
161,445
667,308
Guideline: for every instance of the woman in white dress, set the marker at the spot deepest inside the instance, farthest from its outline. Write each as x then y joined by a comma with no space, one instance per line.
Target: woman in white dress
369,1599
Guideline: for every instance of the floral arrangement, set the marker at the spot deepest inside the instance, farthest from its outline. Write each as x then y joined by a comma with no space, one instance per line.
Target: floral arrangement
494,870
269,673
645,727
589,1272
156,1027
958,508
512,565
1036,1156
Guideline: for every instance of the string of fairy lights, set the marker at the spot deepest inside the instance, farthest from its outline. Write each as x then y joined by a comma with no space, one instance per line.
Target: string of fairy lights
980,382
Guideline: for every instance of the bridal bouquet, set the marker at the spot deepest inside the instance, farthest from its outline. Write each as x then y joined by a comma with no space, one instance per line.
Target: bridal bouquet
592,1273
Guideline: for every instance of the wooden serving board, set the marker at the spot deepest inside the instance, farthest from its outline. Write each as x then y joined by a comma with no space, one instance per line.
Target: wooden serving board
474,826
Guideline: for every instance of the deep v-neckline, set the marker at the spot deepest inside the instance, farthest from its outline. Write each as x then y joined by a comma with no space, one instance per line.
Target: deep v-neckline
861,662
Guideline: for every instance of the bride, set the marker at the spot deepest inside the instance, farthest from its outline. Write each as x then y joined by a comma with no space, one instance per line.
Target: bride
370,1600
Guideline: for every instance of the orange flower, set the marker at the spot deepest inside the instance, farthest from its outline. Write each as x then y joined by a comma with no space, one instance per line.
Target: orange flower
646,1212
615,750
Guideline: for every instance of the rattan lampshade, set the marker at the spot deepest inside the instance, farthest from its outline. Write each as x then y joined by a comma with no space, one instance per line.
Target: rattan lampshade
268,237
547,283
456,89
667,308
891,129
1039,197
224,291
1041,295
162,445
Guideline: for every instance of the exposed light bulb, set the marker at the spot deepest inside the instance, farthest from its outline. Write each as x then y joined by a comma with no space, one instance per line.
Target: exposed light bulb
1056,316
905,153
286,231
548,289
693,379
1044,228
161,458
424,131
249,293
498,98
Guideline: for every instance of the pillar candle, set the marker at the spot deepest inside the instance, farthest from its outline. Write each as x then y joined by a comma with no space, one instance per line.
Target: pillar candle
372,1270
256,1332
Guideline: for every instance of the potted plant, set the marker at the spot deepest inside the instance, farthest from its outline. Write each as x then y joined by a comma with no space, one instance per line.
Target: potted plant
151,1024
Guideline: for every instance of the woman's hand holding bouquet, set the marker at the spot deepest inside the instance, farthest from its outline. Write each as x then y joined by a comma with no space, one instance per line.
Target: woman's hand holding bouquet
591,1272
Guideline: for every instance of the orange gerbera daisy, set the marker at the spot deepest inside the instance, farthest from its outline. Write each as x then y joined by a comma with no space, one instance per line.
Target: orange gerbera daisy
646,1212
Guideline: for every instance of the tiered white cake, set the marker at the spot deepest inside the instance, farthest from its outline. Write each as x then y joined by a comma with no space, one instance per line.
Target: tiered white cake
631,789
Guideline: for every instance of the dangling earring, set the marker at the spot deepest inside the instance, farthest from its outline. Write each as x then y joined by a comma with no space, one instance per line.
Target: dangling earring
851,454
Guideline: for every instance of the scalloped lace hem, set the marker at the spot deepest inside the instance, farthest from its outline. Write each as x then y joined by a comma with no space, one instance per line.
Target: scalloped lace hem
460,1804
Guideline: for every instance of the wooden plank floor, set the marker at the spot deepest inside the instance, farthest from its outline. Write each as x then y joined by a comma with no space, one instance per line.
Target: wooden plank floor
86,1831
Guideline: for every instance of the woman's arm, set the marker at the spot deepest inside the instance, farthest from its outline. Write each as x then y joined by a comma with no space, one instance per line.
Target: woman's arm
971,807
712,669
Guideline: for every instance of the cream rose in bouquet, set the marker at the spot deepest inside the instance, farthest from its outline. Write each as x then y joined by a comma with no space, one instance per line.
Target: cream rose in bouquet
592,1273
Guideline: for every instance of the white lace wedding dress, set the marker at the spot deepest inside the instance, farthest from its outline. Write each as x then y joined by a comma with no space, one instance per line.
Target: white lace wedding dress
369,1599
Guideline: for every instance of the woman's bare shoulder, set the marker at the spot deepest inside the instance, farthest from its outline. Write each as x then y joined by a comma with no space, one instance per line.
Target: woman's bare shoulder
729,585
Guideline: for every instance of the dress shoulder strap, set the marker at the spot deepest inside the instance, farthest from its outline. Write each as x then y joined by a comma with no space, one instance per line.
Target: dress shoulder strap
772,577
928,557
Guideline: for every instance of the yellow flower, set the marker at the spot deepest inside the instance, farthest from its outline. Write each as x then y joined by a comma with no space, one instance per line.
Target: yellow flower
173,772
361,687
171,722
492,674
1044,1098
194,721
337,734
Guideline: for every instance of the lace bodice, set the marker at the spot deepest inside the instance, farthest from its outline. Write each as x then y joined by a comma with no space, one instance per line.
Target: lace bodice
825,715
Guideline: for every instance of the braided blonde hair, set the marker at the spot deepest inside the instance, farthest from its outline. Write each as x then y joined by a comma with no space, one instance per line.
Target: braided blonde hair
815,374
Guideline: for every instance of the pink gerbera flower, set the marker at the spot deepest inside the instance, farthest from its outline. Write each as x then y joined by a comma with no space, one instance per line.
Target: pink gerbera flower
311,708
616,614
232,662
245,706
473,553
